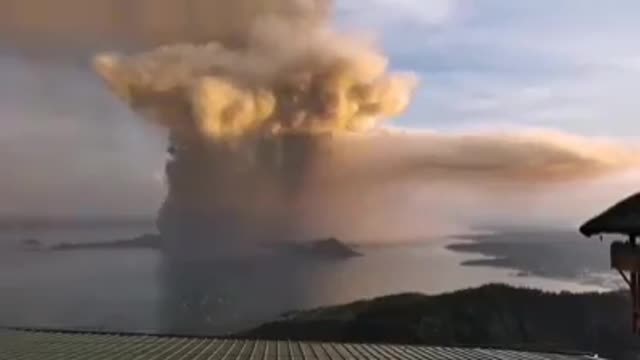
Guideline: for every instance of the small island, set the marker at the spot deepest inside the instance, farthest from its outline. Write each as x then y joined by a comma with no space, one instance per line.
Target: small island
329,248
332,247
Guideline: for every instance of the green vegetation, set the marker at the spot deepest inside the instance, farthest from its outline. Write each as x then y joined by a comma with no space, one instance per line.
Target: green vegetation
492,315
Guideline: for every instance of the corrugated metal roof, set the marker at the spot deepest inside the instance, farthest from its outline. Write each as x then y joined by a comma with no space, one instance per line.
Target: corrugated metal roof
28,345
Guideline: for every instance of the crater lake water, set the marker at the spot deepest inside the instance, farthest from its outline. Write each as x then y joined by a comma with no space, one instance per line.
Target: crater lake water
140,290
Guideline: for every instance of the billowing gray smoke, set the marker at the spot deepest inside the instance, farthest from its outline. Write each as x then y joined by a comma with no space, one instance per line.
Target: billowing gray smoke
252,116
51,25
275,116
272,123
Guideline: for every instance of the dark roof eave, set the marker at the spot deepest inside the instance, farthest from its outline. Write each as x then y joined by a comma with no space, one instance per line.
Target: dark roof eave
609,222
589,230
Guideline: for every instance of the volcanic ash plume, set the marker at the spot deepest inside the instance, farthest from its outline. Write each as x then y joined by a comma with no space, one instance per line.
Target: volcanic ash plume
266,123
251,120
312,82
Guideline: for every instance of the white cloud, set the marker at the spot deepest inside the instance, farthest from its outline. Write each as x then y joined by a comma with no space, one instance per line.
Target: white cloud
423,12
545,63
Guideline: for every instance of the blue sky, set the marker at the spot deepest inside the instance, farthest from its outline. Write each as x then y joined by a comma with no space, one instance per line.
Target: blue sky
572,65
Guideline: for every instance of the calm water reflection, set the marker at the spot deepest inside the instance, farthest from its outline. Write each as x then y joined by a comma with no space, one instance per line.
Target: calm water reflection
142,290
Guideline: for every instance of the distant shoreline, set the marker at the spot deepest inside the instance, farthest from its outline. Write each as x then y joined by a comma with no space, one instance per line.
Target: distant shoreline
146,241
37,223
553,254
330,248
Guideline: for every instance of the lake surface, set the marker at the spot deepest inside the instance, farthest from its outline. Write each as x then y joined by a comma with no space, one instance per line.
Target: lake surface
143,290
